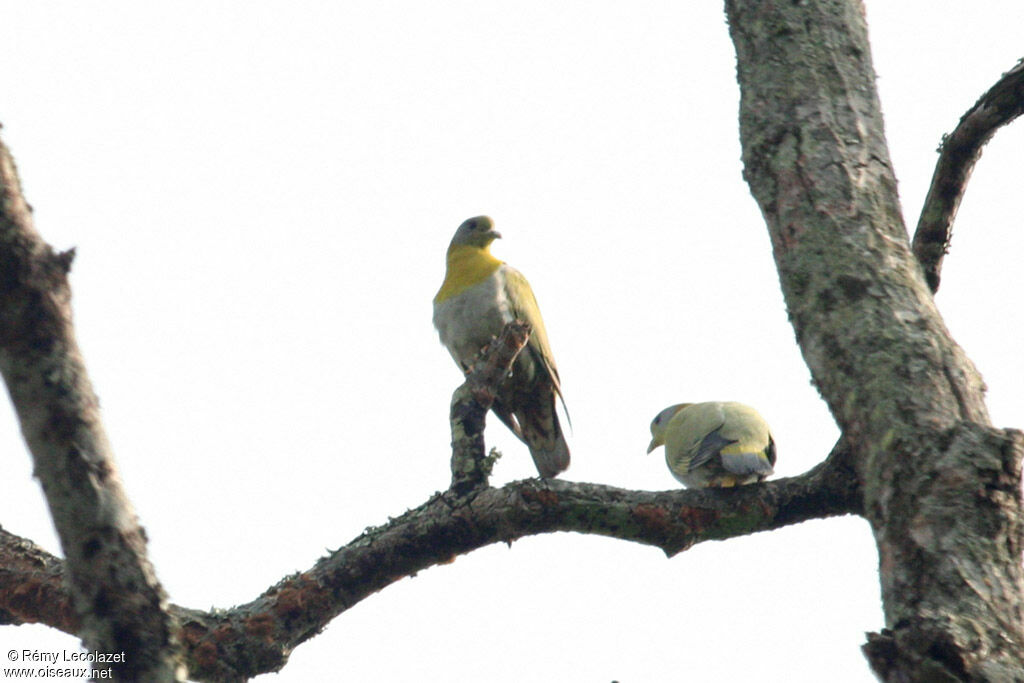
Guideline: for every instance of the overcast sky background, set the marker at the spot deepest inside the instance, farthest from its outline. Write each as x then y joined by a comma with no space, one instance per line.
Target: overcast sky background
261,195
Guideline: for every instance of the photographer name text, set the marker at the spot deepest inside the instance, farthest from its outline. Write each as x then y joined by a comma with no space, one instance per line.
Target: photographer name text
52,657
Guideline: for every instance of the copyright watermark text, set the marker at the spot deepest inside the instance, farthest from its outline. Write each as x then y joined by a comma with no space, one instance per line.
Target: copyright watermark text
65,664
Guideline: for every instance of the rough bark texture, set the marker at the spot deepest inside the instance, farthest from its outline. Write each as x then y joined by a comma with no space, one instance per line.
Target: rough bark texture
471,401
918,457
238,643
32,588
118,601
106,591
960,151
941,486
235,644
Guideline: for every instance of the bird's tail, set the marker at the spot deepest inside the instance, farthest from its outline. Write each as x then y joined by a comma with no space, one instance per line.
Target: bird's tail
747,463
543,434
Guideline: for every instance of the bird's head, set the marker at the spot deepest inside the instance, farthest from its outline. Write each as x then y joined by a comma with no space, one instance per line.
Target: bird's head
475,232
660,424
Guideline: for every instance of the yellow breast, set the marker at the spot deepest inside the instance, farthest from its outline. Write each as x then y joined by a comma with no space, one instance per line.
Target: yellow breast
467,265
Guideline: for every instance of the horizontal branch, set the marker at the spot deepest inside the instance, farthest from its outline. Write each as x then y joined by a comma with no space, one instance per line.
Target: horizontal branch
257,637
958,154
32,586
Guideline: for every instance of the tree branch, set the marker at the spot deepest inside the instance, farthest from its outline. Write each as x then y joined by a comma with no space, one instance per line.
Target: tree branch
471,401
449,525
257,637
958,153
105,547
117,598
32,586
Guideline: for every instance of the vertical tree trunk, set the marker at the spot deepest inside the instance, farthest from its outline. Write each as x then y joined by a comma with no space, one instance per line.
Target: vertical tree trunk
941,486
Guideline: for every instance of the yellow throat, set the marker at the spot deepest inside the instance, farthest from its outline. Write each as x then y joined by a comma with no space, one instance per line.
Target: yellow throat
466,266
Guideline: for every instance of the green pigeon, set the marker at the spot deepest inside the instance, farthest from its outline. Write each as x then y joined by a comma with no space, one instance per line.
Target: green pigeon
714,443
479,296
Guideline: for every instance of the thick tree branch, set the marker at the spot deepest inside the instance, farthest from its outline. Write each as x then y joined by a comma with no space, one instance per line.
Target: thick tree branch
918,458
959,152
941,487
257,637
118,601
449,525
32,588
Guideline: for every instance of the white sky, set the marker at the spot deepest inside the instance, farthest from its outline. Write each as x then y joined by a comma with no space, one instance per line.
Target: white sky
261,195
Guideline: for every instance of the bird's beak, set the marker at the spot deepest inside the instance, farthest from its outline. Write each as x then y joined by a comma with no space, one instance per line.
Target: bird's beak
654,444
495,234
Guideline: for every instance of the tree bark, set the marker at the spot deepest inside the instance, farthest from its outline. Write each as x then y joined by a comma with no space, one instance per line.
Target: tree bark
918,457
119,603
941,486
106,591
960,151
255,638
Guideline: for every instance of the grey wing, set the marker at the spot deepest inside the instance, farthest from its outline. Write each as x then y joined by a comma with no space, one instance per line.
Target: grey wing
710,447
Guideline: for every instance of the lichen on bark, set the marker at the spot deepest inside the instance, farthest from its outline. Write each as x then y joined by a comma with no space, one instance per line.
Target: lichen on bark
905,395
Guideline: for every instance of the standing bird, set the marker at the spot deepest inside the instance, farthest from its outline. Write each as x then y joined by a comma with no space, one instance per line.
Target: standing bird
479,296
714,443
